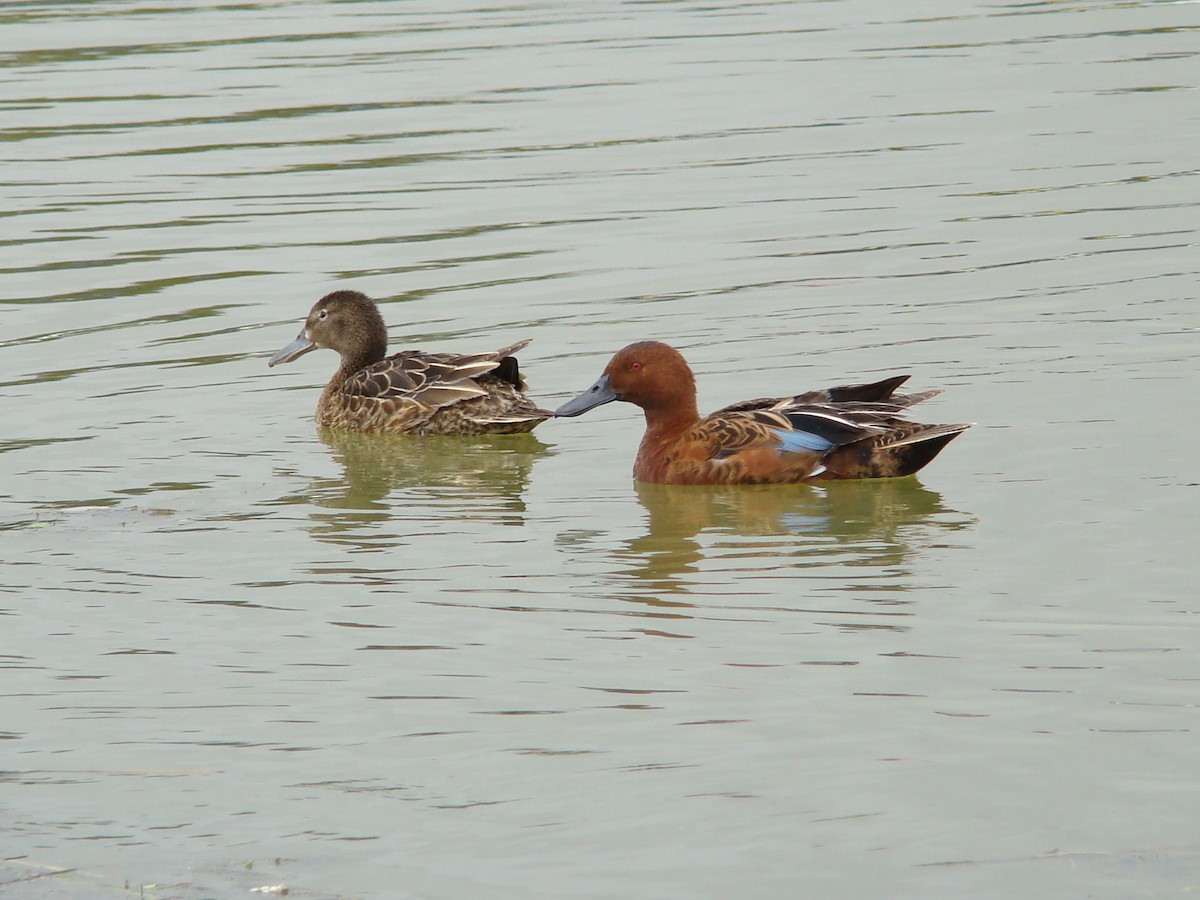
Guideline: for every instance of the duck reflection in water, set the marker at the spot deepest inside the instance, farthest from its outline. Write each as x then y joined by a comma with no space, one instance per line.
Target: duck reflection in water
472,477
856,523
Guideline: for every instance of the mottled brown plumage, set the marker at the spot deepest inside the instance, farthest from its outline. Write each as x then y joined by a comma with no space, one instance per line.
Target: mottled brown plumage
410,392
851,431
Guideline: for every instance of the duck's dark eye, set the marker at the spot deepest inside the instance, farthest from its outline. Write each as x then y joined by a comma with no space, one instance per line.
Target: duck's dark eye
323,314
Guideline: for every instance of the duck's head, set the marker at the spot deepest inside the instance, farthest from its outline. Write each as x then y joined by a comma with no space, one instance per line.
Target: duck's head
648,374
345,321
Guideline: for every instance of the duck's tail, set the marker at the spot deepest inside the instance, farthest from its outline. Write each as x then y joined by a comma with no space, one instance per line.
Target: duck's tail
905,448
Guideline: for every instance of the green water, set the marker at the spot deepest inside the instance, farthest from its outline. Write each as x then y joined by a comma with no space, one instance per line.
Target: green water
242,652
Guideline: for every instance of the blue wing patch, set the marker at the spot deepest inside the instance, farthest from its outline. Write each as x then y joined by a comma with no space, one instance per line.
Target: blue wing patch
796,441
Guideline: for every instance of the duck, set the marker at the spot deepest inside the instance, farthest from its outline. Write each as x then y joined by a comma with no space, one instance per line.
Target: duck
846,432
413,391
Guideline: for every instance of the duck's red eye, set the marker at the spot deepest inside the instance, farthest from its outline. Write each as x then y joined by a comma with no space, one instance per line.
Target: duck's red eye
635,366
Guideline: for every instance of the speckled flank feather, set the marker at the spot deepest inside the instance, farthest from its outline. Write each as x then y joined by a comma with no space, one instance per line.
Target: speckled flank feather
480,405
410,392
850,431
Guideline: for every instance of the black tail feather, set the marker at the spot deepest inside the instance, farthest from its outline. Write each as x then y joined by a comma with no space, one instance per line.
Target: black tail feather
508,370
868,393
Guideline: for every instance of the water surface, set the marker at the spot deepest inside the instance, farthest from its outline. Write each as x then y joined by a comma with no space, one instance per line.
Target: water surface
242,652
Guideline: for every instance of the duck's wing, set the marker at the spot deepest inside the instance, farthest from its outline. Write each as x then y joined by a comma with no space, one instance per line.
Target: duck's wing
811,428
849,431
754,447
845,397
414,392
889,446
435,380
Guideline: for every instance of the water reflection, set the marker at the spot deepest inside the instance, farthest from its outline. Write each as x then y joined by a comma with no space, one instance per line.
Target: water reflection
857,523
391,479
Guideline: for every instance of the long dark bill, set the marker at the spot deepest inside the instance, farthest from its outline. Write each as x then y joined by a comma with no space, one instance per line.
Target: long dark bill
296,348
597,395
